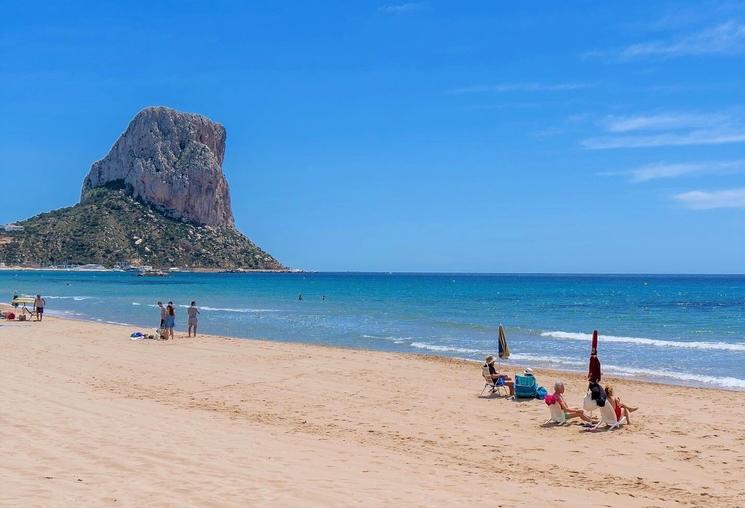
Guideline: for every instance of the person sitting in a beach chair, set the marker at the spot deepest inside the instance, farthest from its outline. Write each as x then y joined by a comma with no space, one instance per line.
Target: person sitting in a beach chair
566,412
619,408
497,378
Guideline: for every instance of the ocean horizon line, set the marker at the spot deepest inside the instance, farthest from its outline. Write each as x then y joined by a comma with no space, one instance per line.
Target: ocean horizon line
303,271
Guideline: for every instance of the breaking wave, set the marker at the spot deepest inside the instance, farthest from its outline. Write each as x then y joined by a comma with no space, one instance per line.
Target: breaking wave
722,346
229,309
442,349
393,338
722,382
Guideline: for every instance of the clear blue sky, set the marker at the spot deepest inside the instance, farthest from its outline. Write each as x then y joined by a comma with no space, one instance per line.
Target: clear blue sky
424,136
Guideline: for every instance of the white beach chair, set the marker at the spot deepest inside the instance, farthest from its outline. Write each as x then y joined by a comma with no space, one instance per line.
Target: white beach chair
490,383
607,414
608,417
557,414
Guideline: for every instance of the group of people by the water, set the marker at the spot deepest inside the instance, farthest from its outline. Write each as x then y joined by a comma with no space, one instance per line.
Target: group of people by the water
557,397
37,309
168,319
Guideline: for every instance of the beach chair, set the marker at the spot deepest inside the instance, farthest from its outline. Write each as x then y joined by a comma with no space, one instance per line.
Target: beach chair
495,386
557,414
608,417
607,414
525,387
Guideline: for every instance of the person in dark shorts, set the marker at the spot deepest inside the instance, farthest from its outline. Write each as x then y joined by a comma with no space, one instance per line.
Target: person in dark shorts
39,303
192,312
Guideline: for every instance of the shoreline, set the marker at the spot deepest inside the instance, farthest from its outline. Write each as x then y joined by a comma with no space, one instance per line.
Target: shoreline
631,377
411,355
95,418
679,333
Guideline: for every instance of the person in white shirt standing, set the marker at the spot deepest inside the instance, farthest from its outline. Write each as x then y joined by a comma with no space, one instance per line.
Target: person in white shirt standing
192,312
162,315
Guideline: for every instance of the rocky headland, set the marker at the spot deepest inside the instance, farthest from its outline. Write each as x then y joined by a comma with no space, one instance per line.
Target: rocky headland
159,198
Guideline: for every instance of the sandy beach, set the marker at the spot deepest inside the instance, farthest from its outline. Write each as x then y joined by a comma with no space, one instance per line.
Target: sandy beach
92,418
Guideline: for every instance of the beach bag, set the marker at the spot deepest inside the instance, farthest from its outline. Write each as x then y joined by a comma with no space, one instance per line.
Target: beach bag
597,393
541,393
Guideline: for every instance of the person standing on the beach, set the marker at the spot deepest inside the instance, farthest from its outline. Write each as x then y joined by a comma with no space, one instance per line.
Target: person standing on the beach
162,315
39,303
170,320
192,311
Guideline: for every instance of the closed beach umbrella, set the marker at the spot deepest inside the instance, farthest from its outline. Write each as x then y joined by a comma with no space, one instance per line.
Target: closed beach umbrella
504,350
593,373
594,342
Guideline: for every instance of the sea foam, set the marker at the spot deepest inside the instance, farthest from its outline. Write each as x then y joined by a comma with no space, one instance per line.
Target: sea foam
719,381
643,341
229,309
442,349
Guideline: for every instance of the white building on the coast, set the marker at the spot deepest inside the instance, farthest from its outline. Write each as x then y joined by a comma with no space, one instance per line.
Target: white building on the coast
11,227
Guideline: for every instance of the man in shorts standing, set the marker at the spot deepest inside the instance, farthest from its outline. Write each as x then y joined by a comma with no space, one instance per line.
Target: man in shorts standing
192,312
39,303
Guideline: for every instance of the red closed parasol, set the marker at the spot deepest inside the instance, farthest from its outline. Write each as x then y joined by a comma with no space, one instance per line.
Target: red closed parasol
594,374
594,342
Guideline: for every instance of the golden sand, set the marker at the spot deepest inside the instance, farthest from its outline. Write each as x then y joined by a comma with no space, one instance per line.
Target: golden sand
92,418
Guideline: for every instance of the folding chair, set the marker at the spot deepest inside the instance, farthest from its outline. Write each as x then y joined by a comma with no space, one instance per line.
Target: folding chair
495,386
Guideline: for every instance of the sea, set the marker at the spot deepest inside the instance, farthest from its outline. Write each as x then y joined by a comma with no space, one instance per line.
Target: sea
687,330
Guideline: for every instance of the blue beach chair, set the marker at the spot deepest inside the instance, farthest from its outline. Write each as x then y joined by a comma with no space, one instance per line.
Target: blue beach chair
525,387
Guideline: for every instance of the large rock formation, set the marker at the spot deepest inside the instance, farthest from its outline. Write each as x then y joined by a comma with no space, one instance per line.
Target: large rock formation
158,198
171,161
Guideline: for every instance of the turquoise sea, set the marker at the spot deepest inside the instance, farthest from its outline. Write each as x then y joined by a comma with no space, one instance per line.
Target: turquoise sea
671,329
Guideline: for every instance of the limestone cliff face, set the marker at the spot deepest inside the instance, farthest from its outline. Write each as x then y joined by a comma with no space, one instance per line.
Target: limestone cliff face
172,161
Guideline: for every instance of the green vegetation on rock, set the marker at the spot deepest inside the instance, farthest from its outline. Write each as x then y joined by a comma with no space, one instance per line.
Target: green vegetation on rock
112,227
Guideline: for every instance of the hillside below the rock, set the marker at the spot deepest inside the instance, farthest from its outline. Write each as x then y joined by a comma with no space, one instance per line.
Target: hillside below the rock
112,227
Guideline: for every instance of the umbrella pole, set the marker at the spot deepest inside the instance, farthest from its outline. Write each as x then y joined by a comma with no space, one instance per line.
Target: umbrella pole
499,357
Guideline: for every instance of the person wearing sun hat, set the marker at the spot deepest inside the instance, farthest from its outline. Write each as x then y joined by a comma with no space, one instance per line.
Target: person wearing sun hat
495,375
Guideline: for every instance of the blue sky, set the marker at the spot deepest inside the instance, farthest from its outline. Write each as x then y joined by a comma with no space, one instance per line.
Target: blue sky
413,136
